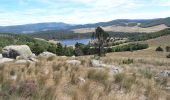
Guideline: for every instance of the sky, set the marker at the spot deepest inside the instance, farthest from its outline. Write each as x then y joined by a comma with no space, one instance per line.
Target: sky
18,12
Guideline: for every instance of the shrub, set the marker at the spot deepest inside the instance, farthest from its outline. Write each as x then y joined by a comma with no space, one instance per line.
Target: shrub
52,48
27,88
167,49
128,82
128,61
146,73
68,51
168,56
119,77
51,58
78,52
128,47
56,67
98,75
159,49
12,72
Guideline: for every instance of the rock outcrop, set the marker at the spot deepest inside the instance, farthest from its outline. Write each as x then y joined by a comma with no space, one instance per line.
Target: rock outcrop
73,62
4,60
1,56
113,69
97,63
47,54
21,62
164,73
13,51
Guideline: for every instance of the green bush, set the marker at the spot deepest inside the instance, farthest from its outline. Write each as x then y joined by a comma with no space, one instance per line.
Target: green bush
159,49
128,47
167,49
39,46
119,77
98,75
143,37
128,61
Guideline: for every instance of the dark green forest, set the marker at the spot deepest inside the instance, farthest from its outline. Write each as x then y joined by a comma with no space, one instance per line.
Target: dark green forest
143,37
64,34
39,46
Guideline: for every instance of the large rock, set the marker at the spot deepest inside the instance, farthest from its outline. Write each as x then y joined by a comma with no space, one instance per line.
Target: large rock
1,56
113,69
164,73
97,63
14,51
21,62
33,59
73,62
5,60
47,54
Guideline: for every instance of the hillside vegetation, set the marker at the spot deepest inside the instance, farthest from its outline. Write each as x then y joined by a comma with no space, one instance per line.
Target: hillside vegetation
128,29
14,39
126,75
54,78
59,35
143,37
39,46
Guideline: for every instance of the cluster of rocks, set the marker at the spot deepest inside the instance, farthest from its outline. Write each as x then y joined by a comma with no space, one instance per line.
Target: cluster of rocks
98,64
164,73
23,54
73,62
20,53
113,69
47,54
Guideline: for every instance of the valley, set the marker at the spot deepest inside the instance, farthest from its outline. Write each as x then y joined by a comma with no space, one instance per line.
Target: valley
84,49
135,64
142,76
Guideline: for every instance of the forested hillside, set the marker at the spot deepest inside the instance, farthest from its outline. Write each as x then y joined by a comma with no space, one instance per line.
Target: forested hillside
64,34
37,27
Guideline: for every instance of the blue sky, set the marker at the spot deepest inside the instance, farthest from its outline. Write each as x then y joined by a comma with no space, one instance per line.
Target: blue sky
17,12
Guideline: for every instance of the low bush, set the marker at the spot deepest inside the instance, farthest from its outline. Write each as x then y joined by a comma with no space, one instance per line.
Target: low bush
147,73
128,61
128,82
119,77
159,49
167,48
125,81
98,75
128,47
168,56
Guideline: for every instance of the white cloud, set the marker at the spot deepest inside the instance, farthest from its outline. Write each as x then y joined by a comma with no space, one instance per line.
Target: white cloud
81,11
162,2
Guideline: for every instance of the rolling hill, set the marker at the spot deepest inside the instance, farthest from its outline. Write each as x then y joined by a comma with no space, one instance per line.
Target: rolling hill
129,29
120,24
31,28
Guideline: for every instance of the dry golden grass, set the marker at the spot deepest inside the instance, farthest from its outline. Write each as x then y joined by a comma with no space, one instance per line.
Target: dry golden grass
54,79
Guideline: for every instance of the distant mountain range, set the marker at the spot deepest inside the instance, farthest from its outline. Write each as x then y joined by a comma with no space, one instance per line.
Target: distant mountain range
32,28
